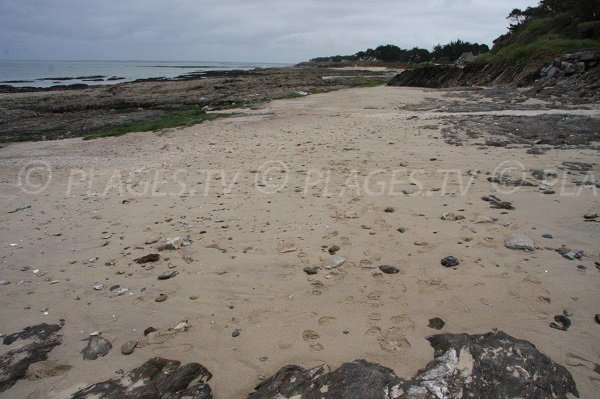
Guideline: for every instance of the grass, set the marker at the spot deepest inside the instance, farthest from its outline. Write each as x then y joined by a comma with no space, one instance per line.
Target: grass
171,120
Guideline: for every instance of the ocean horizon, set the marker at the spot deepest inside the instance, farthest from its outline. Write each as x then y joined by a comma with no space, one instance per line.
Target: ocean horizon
44,73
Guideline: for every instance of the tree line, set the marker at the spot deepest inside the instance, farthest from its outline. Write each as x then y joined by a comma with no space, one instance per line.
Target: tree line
392,53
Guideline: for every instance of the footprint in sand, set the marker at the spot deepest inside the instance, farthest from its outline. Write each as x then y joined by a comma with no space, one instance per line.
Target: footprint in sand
393,339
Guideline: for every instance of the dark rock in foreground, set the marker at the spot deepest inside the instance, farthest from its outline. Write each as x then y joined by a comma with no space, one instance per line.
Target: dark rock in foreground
493,365
158,378
14,364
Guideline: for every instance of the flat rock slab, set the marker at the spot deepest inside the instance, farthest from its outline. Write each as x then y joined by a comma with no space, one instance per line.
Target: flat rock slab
158,378
493,365
41,338
519,241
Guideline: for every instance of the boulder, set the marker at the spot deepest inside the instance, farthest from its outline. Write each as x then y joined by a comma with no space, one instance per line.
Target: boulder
493,365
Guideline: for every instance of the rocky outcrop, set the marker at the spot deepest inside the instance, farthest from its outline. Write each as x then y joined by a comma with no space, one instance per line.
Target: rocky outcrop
471,75
158,378
493,365
38,341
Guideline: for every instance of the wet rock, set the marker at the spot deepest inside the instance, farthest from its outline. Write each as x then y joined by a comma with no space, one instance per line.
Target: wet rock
167,275
128,347
519,241
96,347
449,261
389,269
158,378
493,365
436,323
147,258
41,339
562,323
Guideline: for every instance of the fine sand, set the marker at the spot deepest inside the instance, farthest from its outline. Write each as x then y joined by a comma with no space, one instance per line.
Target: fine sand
262,196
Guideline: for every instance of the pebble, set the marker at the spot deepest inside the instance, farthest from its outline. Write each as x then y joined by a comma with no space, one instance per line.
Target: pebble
449,261
389,269
128,347
562,323
235,333
167,275
333,249
590,216
519,241
99,287
389,209
548,236
402,230
4,282
436,323
147,258
311,270
597,318
333,263
161,298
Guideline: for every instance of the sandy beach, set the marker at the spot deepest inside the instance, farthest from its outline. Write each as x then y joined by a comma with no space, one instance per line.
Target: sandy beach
240,208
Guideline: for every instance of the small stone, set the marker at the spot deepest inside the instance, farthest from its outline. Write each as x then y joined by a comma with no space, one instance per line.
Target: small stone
402,230
167,275
571,255
96,347
235,333
597,318
436,323
99,287
408,191
182,326
590,216
449,261
149,330
286,247
562,323
581,267
311,270
4,282
389,269
519,241
147,258
547,236
128,347
333,263
333,249
389,209
161,298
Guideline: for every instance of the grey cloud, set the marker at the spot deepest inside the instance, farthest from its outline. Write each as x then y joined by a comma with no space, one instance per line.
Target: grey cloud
238,30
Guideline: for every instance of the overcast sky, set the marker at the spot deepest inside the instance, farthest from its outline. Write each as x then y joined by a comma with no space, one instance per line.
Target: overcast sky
238,30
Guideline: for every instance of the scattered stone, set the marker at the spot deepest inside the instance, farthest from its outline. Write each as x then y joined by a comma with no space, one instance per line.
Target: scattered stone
310,270
157,378
562,323
333,249
497,203
41,338
547,236
98,286
147,258
235,333
96,347
389,209
171,244
512,369
408,191
590,216
389,269
128,347
402,230
449,261
182,326
333,263
452,217
161,298
286,247
167,275
519,241
436,323
597,318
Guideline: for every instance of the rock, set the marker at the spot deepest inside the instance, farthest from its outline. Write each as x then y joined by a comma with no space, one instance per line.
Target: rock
161,298
96,347
171,244
590,216
98,286
562,323
285,247
235,333
389,269
519,241
436,323
167,275
333,263
333,249
389,209
402,229
452,217
547,236
158,378
408,191
493,365
147,258
182,326
597,318
40,340
311,270
128,347
449,261
482,219
497,203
